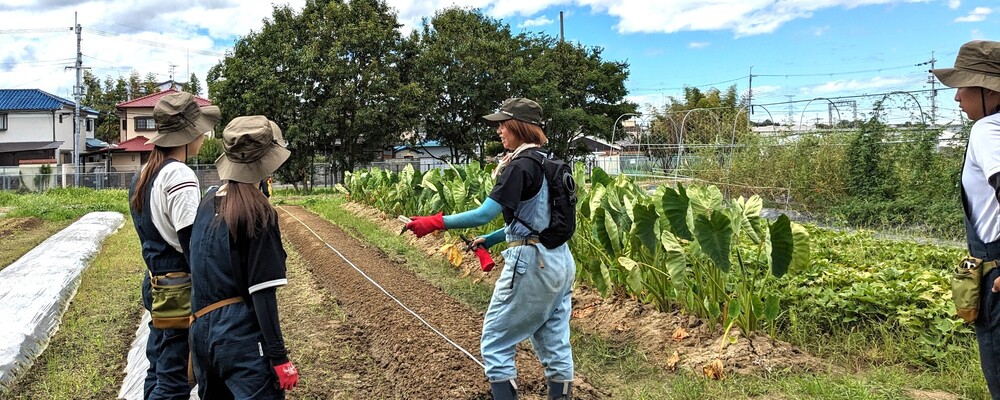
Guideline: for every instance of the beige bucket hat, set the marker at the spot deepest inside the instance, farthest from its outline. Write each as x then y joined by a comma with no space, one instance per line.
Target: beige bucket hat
977,65
179,120
253,148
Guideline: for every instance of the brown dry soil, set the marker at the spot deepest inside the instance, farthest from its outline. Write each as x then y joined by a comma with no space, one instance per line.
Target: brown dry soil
671,340
395,355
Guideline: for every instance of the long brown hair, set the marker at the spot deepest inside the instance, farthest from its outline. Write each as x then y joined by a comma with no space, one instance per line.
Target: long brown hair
156,160
528,133
244,206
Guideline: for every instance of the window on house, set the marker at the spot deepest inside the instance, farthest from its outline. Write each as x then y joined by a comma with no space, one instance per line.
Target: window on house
124,124
90,125
145,124
3,122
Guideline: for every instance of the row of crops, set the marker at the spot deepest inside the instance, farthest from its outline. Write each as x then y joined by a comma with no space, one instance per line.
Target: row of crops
690,248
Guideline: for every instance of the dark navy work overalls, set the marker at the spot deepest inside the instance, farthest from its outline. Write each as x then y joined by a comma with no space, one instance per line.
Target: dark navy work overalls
166,349
227,342
988,322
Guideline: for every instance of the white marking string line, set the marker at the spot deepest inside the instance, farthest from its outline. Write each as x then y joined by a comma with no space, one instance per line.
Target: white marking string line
429,326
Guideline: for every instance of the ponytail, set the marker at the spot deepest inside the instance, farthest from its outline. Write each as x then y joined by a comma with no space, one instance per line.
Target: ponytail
156,160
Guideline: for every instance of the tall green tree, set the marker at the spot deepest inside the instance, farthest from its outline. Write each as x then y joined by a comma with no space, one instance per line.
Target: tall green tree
351,59
465,64
329,76
580,93
192,86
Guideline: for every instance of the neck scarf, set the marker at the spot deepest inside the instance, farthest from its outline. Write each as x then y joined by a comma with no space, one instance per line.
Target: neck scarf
510,156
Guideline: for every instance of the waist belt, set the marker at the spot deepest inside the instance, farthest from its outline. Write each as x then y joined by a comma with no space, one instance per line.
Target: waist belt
523,242
215,306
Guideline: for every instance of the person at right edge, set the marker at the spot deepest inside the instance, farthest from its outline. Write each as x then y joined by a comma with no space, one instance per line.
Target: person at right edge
237,264
976,74
533,295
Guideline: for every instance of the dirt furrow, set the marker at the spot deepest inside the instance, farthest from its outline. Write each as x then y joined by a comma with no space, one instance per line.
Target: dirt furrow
411,360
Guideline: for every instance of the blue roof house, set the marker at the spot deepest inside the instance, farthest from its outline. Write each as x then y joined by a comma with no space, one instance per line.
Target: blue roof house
36,126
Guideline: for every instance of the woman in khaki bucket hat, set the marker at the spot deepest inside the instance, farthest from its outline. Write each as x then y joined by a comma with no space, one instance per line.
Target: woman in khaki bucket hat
163,200
976,75
237,264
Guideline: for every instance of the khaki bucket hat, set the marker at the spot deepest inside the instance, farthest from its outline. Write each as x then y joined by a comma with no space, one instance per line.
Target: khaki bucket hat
179,120
253,148
518,108
977,65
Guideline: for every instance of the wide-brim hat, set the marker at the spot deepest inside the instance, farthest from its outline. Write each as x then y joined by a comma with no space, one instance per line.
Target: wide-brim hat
977,65
518,108
180,120
253,148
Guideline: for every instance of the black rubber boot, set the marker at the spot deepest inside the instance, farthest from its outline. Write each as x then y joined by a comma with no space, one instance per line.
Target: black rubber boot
561,390
504,390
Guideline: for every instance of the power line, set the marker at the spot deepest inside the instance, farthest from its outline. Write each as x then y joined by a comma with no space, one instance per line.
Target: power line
151,43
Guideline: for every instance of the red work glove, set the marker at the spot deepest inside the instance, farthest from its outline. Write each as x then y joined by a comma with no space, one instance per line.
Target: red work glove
485,259
288,375
421,226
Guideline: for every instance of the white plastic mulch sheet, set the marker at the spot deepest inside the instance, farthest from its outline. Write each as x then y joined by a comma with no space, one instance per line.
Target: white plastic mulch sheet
135,369
36,290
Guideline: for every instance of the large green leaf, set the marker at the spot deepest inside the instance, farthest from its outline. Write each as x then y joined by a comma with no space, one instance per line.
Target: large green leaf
644,226
772,307
675,259
782,245
596,198
675,205
599,177
601,232
800,254
750,221
704,199
634,280
598,274
733,310
612,217
715,235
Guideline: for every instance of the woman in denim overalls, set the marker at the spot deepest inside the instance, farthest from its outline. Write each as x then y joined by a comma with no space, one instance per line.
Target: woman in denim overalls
532,296
163,199
977,76
237,263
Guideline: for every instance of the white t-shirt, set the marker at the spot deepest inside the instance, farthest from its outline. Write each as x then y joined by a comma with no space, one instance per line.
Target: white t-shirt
173,201
982,160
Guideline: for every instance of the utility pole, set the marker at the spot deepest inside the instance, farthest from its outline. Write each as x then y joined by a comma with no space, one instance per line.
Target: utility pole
933,94
77,95
750,92
562,35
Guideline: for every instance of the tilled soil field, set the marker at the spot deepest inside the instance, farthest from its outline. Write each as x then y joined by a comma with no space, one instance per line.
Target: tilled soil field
403,358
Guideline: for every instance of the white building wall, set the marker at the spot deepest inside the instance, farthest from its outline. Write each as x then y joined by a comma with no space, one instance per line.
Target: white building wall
44,126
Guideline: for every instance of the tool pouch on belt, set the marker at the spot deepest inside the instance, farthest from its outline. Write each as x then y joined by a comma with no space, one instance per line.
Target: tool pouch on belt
965,284
171,300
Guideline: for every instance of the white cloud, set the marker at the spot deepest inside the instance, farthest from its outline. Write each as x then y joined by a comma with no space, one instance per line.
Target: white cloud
698,45
852,85
954,4
977,14
540,21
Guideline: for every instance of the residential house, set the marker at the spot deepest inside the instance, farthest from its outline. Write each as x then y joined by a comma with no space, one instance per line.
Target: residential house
424,156
36,125
137,115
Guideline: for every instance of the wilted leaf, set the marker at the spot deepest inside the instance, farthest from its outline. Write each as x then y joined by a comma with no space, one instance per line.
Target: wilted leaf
680,334
673,360
453,253
714,370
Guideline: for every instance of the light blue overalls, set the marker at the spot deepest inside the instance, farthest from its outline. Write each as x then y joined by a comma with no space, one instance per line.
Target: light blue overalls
531,300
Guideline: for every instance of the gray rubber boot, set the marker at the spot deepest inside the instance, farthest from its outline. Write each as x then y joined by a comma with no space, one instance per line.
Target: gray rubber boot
504,390
561,390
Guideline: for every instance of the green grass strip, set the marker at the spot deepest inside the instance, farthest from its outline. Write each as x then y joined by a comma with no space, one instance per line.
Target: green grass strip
86,358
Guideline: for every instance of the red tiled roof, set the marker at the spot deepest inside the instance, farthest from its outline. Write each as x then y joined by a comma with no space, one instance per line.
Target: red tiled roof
136,144
149,101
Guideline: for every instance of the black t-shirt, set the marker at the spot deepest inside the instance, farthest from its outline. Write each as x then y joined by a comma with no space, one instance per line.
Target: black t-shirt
519,181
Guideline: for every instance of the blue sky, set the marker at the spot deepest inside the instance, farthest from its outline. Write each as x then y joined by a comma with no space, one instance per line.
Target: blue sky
798,49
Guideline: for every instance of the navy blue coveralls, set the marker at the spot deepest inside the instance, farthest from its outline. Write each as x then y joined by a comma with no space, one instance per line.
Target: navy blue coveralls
166,349
227,343
988,322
